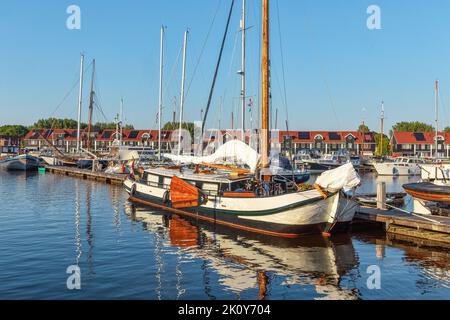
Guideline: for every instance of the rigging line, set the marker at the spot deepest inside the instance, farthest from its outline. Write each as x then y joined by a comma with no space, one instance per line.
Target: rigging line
204,47
282,62
77,82
217,67
172,73
322,71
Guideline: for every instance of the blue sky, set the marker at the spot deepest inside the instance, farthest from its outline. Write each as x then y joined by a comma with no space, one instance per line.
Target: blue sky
337,71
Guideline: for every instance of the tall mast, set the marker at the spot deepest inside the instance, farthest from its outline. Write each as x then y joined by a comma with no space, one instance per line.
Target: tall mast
183,81
161,63
91,107
437,119
265,146
80,97
121,123
382,128
243,71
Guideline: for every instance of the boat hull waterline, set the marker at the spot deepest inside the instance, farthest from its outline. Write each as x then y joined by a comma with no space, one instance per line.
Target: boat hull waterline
20,163
301,214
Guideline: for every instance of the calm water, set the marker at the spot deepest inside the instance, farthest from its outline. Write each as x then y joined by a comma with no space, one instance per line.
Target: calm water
49,223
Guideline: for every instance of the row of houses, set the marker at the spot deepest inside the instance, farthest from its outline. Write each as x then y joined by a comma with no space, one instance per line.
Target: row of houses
9,144
401,143
421,144
290,141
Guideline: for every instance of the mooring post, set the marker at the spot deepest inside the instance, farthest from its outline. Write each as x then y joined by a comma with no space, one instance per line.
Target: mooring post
381,196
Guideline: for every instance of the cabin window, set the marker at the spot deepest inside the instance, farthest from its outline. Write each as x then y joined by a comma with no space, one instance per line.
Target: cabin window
211,188
153,179
167,181
238,186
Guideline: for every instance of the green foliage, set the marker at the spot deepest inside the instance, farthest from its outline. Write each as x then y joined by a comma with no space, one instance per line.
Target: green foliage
382,150
413,127
189,126
363,128
447,129
13,131
110,126
54,123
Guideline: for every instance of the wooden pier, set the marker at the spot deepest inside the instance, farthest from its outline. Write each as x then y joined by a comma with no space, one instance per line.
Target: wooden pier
423,227
87,174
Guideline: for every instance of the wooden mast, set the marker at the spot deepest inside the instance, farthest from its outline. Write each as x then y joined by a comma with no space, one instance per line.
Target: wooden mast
91,108
265,145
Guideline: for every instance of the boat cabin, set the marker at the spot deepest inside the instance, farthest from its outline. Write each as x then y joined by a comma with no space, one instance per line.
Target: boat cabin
213,184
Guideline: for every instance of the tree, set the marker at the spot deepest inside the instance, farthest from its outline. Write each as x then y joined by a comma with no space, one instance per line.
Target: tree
413,127
447,129
363,128
110,126
172,126
54,123
13,131
385,148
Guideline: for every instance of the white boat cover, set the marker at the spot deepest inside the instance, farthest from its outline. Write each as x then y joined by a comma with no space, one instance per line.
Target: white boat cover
344,177
235,150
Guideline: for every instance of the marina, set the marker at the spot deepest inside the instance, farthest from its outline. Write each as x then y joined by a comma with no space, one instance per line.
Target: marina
261,174
132,252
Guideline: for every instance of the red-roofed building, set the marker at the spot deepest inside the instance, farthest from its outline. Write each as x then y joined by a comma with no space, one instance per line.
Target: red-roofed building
330,141
420,144
66,139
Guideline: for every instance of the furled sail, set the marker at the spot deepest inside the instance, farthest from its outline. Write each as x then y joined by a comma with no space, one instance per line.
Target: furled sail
344,177
235,150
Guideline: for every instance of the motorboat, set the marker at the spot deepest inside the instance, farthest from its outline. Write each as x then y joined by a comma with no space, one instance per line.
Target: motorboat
402,166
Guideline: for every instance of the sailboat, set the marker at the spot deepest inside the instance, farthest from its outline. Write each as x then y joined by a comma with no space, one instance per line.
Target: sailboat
432,195
250,199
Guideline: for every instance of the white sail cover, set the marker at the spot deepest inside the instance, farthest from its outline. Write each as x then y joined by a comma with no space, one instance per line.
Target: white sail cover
344,177
235,150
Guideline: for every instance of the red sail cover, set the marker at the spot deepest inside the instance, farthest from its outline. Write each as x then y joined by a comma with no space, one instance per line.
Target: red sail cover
183,195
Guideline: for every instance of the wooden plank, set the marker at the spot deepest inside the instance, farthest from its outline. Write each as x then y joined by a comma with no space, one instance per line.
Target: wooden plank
405,220
87,174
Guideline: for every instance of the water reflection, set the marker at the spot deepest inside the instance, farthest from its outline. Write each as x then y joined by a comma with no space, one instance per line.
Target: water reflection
432,261
246,261
77,220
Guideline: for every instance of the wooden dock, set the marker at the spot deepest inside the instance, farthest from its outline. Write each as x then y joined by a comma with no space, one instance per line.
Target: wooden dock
87,174
431,228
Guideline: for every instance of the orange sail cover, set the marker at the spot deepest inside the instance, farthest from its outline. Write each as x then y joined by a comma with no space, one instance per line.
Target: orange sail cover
183,195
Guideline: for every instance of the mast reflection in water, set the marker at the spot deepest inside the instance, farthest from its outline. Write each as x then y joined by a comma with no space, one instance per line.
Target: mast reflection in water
252,262
51,222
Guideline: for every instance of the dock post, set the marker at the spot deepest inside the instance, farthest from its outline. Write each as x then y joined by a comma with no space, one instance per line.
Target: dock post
381,196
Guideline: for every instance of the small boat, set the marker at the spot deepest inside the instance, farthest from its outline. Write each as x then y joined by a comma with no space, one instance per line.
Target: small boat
327,162
429,198
428,191
20,163
402,166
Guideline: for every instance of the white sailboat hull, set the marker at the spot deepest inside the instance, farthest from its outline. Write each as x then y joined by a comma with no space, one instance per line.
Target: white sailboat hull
288,215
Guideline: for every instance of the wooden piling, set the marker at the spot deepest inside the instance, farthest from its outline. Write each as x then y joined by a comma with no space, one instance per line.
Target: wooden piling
381,196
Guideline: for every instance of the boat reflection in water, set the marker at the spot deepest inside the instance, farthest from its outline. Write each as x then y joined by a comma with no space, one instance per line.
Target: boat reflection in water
245,261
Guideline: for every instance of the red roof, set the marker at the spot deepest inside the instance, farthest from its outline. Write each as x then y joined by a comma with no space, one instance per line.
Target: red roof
419,137
327,136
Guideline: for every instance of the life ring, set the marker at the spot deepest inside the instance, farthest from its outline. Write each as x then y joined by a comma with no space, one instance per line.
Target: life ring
133,190
166,197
